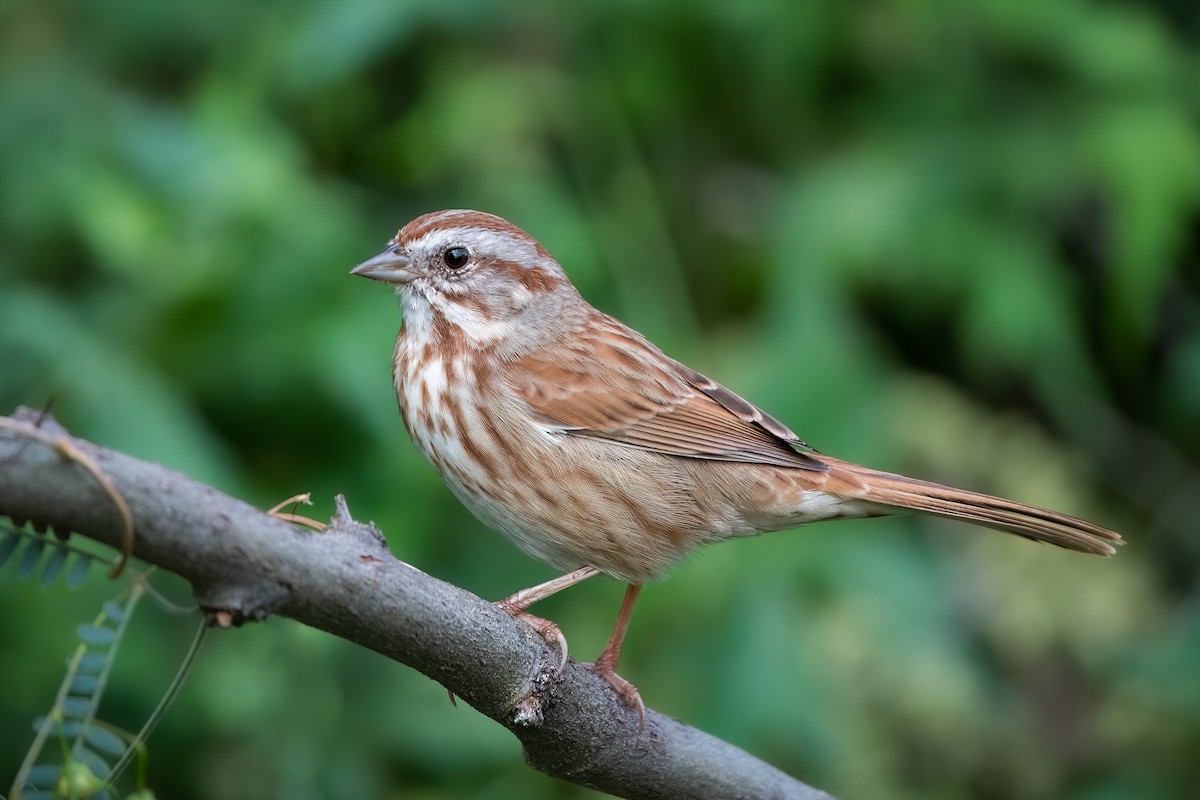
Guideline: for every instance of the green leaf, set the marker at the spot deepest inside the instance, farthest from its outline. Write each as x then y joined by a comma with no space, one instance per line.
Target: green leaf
67,727
97,764
43,776
104,740
8,546
54,566
79,707
113,611
93,662
30,558
79,571
96,635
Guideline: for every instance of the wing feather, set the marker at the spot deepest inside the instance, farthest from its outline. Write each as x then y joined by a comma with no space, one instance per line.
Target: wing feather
610,383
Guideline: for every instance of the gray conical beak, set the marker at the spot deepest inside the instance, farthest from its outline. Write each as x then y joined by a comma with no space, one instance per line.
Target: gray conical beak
390,266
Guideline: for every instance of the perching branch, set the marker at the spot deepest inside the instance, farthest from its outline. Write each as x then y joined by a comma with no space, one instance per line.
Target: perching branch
244,565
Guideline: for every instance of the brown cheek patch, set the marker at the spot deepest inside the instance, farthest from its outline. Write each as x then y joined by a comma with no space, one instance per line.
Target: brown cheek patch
471,303
534,279
538,280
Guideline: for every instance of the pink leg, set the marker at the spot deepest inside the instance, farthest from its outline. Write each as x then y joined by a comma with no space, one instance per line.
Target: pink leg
606,665
516,604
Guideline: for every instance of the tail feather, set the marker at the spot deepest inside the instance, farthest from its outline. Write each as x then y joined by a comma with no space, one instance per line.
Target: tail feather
1031,522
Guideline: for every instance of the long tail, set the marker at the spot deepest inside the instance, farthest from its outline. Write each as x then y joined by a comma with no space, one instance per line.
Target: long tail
1031,522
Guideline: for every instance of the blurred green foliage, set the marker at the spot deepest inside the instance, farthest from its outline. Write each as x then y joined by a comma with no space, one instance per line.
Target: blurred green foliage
959,239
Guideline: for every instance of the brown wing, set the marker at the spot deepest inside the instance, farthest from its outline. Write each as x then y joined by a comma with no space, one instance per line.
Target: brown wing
610,383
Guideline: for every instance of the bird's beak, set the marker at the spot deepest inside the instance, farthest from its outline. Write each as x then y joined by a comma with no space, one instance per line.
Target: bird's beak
390,266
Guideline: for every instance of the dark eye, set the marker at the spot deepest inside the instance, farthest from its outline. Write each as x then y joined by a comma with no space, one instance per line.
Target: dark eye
456,257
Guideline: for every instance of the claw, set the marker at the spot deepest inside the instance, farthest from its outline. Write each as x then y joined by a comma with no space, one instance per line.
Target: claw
625,690
551,634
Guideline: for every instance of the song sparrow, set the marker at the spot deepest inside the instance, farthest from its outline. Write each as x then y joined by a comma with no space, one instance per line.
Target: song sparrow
592,450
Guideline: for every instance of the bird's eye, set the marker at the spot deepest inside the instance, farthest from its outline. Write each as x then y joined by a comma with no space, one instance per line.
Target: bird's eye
456,257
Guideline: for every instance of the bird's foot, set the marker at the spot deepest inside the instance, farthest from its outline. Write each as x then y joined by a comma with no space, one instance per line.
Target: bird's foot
624,689
549,632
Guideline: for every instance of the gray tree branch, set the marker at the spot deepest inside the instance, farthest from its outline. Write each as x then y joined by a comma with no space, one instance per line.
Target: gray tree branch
244,565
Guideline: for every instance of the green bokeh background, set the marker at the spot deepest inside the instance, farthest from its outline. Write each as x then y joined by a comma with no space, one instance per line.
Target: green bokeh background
957,239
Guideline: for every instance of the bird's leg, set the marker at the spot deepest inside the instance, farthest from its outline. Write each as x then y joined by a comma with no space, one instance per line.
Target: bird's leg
516,604
606,665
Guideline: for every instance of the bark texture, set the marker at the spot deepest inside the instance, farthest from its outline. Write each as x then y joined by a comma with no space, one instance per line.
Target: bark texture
245,565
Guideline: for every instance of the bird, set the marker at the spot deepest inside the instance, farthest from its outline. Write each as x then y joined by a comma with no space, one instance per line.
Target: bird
588,447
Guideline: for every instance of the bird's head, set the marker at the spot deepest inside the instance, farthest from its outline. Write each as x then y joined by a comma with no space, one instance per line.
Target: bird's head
478,272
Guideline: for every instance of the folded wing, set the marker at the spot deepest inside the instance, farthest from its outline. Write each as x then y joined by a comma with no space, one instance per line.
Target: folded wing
612,384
